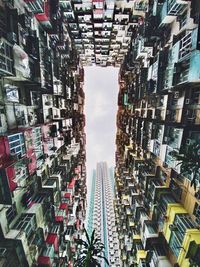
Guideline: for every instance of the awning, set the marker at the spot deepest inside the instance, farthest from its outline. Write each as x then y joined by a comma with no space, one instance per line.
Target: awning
59,218
67,195
98,12
45,15
53,240
44,260
136,237
63,206
71,185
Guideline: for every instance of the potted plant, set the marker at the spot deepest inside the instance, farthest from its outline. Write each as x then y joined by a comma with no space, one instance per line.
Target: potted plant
91,252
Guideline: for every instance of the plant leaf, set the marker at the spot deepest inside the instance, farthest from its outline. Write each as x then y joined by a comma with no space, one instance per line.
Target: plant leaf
103,257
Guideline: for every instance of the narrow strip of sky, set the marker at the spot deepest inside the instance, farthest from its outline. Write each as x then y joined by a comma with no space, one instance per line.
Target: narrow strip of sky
101,92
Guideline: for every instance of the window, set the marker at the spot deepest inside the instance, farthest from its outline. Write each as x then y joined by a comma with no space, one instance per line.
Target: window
182,222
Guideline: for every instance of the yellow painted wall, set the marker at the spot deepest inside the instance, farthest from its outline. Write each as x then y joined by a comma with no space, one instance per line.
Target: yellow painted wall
172,210
191,235
141,254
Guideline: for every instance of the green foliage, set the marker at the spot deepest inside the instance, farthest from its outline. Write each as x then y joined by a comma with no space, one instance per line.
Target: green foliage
190,162
91,252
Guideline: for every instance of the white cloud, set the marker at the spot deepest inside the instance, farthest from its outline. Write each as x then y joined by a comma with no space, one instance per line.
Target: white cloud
101,90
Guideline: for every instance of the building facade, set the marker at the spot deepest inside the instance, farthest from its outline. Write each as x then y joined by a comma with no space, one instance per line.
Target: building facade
157,199
102,29
101,216
43,46
42,138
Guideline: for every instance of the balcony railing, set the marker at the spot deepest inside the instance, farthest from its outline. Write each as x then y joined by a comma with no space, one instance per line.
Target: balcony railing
150,231
181,223
36,6
26,223
159,258
141,5
176,7
171,9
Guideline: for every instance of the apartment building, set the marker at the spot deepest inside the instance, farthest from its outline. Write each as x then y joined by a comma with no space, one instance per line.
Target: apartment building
42,138
102,29
43,46
157,203
101,216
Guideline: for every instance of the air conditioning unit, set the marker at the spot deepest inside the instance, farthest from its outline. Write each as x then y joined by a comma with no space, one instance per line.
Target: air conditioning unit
187,101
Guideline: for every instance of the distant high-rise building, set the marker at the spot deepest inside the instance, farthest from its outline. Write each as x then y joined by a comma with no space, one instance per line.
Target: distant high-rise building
101,212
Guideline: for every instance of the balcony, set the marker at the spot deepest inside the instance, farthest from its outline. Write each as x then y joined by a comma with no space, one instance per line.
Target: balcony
174,113
20,240
21,173
37,140
17,144
154,188
188,71
150,232
192,116
50,183
57,87
41,9
159,257
47,256
170,10
160,209
37,209
143,217
182,226
52,239
141,5
36,6
26,223
177,224
172,58
144,49
144,179
6,56
137,206
191,251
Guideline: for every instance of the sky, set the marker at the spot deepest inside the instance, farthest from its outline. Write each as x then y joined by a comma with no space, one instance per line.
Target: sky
101,92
